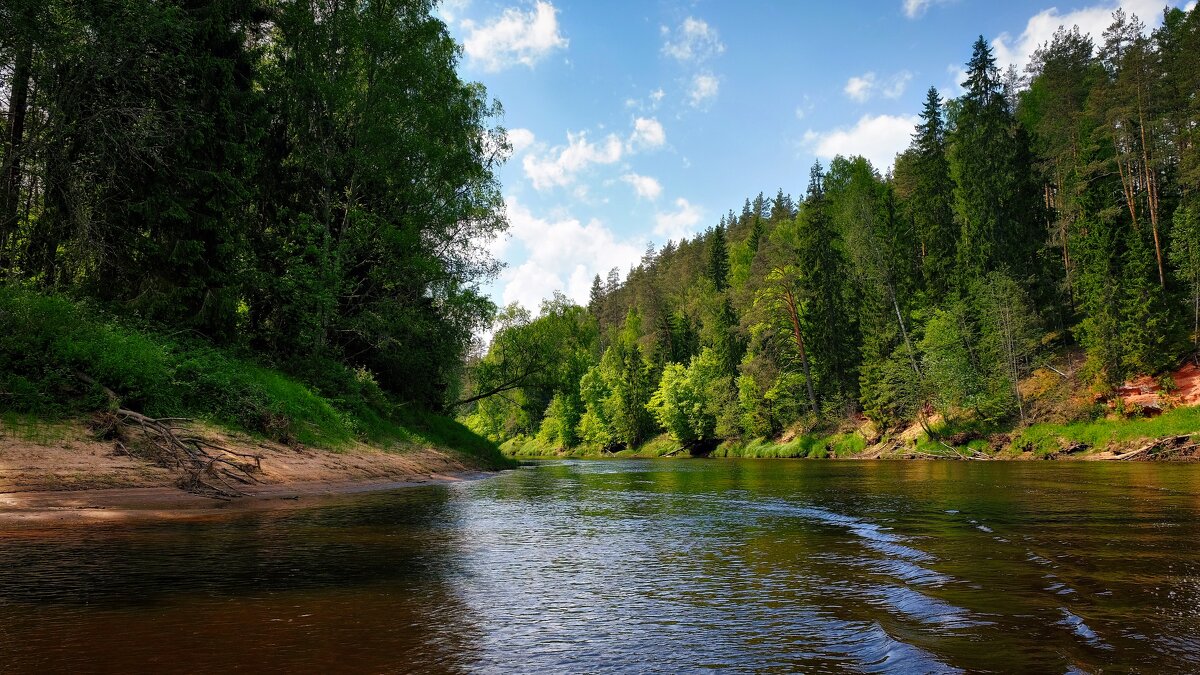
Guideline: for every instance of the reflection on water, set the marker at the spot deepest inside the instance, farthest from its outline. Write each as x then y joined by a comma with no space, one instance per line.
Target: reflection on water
641,565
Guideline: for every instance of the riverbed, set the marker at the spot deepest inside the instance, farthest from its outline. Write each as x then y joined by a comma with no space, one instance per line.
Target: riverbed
639,566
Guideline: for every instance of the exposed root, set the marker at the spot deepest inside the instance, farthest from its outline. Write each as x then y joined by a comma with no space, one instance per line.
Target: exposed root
205,467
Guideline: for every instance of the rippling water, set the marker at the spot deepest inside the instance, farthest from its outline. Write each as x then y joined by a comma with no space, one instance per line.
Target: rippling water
667,566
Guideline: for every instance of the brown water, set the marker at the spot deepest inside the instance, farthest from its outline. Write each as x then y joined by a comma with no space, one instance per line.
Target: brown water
665,566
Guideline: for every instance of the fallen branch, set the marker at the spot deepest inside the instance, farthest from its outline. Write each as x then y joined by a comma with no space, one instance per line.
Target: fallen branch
1161,448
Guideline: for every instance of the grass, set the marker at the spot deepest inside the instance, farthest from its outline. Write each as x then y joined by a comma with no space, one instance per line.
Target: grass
806,445
816,446
49,341
1043,439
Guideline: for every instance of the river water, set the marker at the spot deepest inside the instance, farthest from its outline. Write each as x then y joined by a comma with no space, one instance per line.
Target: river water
640,566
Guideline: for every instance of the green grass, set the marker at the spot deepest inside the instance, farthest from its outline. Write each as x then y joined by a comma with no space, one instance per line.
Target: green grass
1043,439
802,446
50,341
807,445
530,447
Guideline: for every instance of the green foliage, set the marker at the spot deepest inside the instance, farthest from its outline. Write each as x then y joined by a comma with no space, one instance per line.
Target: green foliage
560,423
312,182
687,400
51,341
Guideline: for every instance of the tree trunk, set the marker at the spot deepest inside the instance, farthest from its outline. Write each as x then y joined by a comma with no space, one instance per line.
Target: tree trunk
912,355
9,204
790,300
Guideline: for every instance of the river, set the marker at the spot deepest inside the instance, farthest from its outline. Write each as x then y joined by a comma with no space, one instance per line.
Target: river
640,566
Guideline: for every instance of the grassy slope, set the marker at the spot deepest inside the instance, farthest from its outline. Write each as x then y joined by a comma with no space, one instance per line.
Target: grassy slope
48,341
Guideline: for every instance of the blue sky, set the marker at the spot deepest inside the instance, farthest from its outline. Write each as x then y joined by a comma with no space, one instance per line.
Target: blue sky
638,122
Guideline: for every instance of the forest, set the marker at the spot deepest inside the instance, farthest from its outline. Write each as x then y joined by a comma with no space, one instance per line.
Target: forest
1044,221
193,190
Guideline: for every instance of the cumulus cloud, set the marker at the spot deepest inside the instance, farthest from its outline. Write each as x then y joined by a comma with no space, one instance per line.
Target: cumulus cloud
558,166
1091,20
644,186
879,138
863,87
520,139
703,89
692,42
647,133
679,223
514,37
562,254
915,8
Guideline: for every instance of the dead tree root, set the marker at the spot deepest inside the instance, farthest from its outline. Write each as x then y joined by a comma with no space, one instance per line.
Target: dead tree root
205,467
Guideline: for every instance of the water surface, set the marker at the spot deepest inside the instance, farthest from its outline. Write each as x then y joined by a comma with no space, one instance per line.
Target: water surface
668,566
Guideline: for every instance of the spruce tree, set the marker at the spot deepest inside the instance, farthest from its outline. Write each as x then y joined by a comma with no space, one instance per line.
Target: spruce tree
996,202
718,259
932,199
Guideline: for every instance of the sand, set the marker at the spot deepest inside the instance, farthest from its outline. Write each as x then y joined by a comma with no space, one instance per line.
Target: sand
71,477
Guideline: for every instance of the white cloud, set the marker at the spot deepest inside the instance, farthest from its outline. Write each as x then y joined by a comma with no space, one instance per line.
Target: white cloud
679,223
647,133
704,89
558,166
451,10
915,8
645,186
859,87
693,41
862,87
1091,20
651,102
896,84
520,139
878,138
563,254
1190,6
515,37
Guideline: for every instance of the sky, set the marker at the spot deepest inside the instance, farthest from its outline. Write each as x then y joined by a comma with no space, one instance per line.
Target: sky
636,122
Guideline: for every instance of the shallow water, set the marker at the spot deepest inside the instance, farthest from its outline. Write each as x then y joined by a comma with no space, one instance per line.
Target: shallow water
667,566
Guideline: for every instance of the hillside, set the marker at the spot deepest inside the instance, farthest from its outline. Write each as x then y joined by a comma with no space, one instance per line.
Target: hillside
1033,254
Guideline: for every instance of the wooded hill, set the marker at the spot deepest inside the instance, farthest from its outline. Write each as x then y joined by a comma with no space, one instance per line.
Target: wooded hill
1041,214
300,185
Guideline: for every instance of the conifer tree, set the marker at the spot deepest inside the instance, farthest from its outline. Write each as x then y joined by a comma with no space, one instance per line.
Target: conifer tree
932,199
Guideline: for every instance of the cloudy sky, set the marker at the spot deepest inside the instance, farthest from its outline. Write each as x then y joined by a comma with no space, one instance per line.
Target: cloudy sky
641,121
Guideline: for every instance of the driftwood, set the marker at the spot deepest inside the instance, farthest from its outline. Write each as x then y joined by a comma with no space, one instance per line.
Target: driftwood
1171,447
206,467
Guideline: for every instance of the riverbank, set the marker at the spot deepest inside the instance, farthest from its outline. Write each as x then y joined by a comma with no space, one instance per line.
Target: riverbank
62,473
1171,436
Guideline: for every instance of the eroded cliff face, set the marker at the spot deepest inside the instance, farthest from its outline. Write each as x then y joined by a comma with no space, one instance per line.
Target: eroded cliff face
1154,395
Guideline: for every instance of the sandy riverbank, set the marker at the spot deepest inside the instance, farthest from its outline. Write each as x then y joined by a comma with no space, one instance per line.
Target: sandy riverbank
69,476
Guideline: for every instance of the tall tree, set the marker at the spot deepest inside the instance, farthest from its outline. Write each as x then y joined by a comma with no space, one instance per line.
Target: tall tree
931,200
996,200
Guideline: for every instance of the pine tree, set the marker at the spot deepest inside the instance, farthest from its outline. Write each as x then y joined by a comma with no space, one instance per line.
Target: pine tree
596,296
996,202
932,200
718,259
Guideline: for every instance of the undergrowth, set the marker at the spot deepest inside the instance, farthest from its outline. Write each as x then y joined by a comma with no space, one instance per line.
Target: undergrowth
48,342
